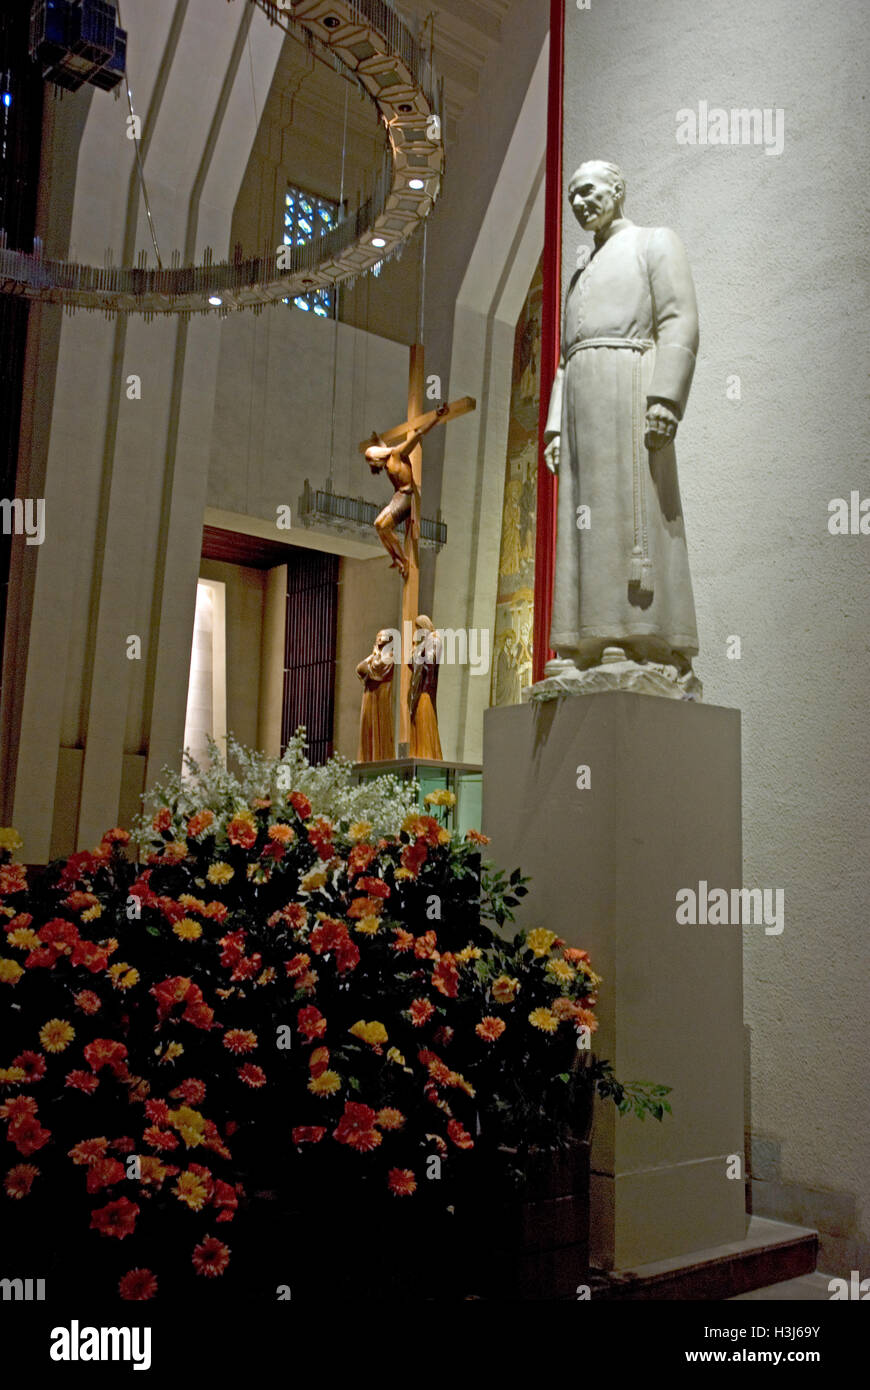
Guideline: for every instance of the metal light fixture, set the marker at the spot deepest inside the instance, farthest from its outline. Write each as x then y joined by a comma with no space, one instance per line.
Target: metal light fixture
78,42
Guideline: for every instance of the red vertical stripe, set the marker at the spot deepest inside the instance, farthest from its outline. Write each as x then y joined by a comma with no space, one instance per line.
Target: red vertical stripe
545,544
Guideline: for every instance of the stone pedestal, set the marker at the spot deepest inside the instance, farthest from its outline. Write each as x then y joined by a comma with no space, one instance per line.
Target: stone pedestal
661,812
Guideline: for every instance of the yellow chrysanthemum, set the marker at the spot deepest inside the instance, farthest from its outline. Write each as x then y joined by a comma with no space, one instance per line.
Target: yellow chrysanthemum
468,953
544,1019
10,839
267,976
123,976
504,989
220,872
326,1084
360,830
174,1049
403,873
10,971
56,1035
92,913
193,904
110,946
10,1076
191,1190
187,929
560,970
151,1170
185,1115
23,938
441,797
374,1033
394,1055
312,881
540,941
368,926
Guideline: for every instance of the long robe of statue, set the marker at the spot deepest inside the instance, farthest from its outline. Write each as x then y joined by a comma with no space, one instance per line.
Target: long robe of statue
630,335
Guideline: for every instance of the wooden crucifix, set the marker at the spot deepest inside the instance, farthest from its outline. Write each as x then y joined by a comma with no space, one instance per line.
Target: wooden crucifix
399,452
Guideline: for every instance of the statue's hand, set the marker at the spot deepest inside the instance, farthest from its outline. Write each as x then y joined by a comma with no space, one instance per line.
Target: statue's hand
661,426
551,454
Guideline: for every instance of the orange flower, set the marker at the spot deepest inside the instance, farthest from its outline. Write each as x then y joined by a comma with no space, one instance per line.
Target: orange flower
163,819
240,1040
87,1001
490,1029
19,1180
137,1285
211,1257
404,940
157,1138
199,823
318,1061
414,857
86,1081
88,1151
242,831
474,837
281,833
365,907
425,947
504,989
421,1011
445,976
310,1022
460,1136
117,1219
401,1182
300,804
252,1076
389,1119
191,1091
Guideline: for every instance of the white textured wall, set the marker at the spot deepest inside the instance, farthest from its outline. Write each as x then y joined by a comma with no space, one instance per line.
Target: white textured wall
779,252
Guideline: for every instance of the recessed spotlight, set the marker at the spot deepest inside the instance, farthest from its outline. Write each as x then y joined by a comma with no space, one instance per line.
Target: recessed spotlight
378,241
331,21
215,301
405,106
416,183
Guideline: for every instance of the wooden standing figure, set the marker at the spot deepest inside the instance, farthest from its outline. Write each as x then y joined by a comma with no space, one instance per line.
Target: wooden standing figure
425,664
376,738
399,452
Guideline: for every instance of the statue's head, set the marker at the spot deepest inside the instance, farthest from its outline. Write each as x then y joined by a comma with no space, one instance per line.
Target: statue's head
425,623
596,194
378,451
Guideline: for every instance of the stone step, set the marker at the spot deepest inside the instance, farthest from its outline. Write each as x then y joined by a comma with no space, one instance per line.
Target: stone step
770,1253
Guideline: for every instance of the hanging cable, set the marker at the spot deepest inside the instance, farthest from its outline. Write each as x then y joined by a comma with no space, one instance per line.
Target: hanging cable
337,291
142,183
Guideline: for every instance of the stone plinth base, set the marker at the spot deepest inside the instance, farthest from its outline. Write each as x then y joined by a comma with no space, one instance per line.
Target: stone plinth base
612,803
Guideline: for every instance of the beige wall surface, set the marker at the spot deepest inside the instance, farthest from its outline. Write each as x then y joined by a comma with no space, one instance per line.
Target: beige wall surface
778,248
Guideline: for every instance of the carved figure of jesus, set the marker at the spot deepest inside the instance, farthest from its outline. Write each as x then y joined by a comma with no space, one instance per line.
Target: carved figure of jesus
396,461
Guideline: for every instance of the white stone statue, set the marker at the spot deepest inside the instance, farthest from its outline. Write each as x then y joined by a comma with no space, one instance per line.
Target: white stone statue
623,610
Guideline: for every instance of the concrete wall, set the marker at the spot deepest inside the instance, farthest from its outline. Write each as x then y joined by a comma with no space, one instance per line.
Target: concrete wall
779,252
226,415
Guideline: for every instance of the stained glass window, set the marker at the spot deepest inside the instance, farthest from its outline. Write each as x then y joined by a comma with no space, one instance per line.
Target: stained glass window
305,217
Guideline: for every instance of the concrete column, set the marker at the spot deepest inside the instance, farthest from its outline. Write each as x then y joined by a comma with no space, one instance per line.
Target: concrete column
661,813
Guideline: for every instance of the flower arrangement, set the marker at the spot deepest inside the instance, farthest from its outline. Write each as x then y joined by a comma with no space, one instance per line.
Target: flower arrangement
275,1002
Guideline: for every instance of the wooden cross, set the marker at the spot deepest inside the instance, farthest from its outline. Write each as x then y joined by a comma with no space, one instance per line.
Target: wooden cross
417,420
